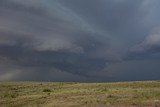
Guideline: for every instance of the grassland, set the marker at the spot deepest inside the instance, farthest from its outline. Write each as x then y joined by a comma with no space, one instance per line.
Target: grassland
52,94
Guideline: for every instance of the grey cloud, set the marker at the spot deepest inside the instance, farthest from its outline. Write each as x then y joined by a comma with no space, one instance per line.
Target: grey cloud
75,40
116,19
132,70
47,33
150,44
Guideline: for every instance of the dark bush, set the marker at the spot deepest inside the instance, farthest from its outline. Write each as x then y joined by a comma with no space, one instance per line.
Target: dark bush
46,90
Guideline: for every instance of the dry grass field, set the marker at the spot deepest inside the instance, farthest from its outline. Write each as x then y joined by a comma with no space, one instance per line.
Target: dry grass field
61,94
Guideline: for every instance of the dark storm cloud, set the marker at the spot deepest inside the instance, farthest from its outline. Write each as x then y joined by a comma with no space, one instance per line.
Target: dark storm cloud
151,43
77,40
148,48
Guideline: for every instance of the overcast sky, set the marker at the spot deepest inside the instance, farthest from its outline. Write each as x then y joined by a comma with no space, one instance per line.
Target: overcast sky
79,40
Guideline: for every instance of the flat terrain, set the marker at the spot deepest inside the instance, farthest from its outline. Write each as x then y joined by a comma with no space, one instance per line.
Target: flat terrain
59,94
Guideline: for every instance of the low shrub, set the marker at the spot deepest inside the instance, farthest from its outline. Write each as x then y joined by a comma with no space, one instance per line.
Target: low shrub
46,90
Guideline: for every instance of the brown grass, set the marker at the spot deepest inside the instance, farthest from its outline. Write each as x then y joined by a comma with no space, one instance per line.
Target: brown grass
54,94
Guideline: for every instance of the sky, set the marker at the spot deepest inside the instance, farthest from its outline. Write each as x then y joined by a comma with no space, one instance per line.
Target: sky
79,40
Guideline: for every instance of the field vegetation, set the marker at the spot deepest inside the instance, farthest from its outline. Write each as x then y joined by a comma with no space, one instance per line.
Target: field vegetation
63,94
